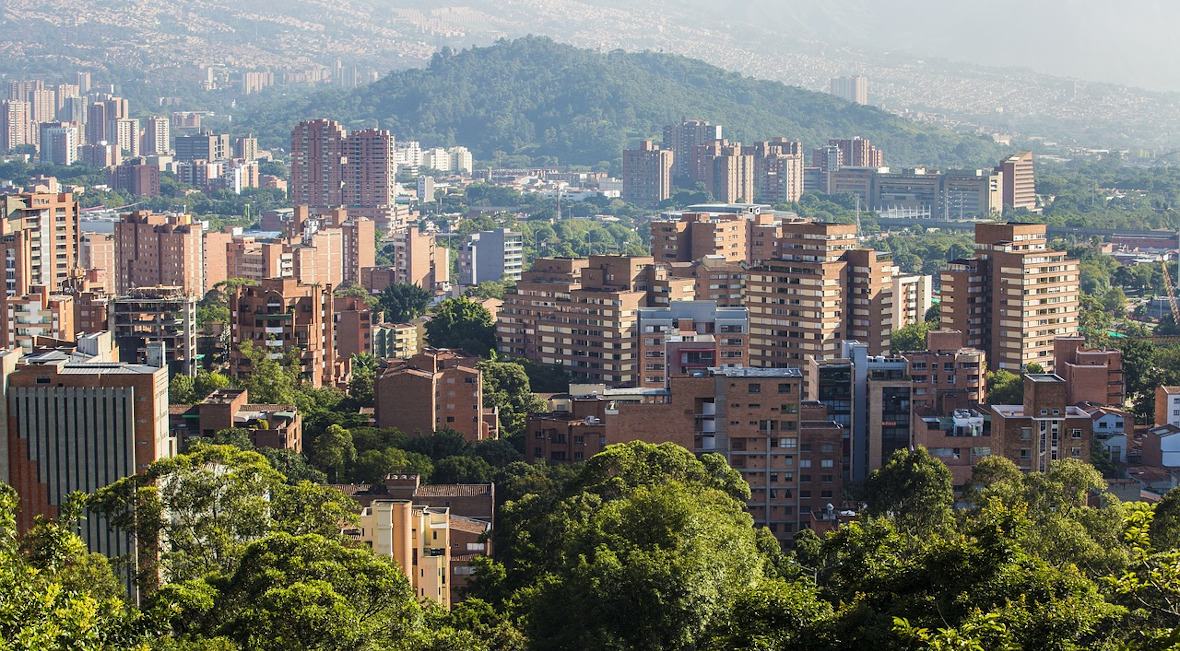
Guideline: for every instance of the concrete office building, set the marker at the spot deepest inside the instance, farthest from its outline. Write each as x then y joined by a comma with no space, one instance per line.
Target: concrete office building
204,146
647,175
1013,298
117,413
871,398
491,255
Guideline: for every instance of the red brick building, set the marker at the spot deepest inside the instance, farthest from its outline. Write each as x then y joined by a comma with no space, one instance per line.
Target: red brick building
1090,375
279,314
436,389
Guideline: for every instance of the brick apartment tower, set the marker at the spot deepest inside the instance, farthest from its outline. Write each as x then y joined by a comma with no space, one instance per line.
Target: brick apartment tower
279,314
681,138
819,291
647,175
159,250
332,169
39,238
1013,298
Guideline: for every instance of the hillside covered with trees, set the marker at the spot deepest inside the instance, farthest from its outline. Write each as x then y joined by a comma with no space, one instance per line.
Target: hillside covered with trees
554,103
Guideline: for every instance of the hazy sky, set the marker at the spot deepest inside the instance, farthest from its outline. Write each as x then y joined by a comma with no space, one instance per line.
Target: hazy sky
1130,41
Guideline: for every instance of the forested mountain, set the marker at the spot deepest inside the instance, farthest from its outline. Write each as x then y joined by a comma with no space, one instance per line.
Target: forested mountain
557,103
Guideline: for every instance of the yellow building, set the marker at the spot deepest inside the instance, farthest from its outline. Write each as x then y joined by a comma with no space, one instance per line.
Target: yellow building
418,538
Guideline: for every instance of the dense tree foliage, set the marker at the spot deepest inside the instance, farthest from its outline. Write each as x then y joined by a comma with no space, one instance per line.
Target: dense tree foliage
535,98
403,301
463,324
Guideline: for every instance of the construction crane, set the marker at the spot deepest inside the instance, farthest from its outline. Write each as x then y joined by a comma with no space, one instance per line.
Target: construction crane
1171,294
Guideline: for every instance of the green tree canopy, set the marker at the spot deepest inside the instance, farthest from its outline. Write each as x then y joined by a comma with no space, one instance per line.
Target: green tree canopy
403,302
462,324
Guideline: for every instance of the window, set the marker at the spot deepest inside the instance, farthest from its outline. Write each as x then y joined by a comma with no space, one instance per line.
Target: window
1076,433
789,442
805,463
1075,452
784,388
827,479
755,387
827,463
826,447
805,495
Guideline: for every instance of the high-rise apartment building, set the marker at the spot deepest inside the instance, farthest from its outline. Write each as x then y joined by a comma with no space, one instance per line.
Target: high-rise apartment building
14,125
156,136
145,317
912,299
418,258
778,170
278,315
1020,184
1014,297
817,291
39,239
854,89
331,169
691,236
682,138
56,409
369,175
647,175
59,143
491,255
435,389
159,251
786,448
853,152
726,171
127,136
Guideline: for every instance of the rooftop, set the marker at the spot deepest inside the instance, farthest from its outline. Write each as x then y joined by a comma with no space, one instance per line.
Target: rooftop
745,371
453,490
1044,377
